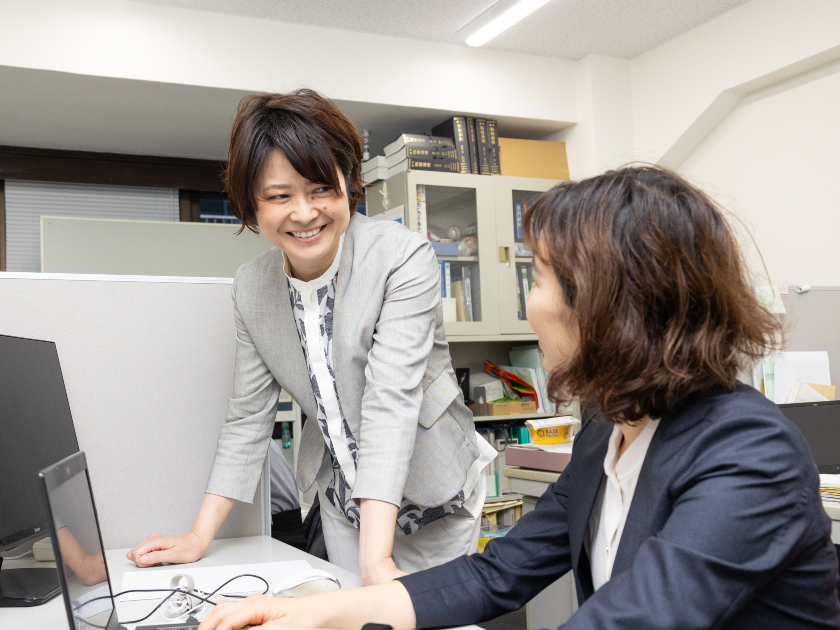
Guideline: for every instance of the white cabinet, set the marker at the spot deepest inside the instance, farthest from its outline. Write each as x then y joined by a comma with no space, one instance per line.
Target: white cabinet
477,213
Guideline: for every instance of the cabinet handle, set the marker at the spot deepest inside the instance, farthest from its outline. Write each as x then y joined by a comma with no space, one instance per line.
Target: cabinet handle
504,255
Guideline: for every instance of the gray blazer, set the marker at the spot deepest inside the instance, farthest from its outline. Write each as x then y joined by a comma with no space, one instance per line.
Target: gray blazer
395,380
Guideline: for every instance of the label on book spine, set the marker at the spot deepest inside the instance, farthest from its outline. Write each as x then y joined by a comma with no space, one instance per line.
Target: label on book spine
471,142
493,147
482,142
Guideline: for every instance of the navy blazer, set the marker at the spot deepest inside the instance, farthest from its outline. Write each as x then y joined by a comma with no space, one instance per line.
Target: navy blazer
726,530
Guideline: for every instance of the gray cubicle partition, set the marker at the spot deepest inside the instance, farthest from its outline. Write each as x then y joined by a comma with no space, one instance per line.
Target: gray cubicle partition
149,248
148,365
813,323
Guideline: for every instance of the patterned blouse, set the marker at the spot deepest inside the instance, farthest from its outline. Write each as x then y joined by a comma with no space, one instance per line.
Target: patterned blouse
312,304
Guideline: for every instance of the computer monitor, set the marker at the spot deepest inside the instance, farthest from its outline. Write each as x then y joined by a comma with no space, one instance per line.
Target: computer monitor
820,424
36,430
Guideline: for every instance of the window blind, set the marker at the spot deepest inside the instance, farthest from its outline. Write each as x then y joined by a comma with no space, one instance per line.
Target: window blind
27,201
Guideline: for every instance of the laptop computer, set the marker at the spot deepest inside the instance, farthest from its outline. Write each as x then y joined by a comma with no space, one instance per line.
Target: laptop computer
77,543
820,424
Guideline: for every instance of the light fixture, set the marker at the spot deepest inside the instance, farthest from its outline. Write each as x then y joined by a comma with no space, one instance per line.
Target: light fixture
501,16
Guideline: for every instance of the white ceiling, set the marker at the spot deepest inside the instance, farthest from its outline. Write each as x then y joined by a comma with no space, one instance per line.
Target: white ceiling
567,29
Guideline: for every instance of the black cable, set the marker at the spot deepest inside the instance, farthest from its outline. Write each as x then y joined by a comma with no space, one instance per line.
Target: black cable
172,591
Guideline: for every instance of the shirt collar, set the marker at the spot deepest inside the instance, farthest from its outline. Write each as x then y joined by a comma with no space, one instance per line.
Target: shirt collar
322,280
634,456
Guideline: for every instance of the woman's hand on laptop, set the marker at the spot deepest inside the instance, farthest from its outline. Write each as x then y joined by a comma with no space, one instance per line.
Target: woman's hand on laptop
175,549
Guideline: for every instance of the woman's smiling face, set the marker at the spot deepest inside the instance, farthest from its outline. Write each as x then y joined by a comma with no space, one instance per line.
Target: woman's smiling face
304,219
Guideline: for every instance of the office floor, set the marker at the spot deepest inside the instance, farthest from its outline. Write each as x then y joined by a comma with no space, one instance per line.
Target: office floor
511,621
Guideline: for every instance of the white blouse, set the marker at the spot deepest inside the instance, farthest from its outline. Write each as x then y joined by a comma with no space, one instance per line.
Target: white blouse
612,505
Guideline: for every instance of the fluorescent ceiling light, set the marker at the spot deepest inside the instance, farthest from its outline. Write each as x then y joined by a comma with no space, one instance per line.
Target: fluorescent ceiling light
501,16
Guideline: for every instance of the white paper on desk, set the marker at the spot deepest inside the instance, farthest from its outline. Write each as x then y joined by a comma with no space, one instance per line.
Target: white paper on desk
208,579
810,367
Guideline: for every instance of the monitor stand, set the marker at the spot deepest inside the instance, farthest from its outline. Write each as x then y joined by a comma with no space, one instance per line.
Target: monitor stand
27,587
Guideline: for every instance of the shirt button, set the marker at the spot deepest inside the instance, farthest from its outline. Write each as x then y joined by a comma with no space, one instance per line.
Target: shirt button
307,288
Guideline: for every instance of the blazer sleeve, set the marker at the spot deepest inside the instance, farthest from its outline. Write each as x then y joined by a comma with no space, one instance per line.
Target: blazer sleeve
744,508
402,341
243,440
510,572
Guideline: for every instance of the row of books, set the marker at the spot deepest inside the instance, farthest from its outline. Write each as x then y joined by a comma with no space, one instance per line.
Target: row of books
476,143
456,285
458,145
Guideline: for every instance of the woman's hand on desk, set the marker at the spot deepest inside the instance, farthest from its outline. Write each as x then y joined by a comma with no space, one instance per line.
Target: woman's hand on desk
175,549
182,549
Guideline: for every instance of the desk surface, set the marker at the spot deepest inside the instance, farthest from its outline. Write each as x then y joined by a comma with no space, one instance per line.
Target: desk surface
52,615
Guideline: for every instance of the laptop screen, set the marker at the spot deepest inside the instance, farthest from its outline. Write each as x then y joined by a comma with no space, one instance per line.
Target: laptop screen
79,547
820,424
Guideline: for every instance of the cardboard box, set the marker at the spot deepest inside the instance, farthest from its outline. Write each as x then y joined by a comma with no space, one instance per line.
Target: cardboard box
508,408
541,460
533,158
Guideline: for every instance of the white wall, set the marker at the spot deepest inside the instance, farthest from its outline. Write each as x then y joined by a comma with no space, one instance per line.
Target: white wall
603,136
683,89
775,162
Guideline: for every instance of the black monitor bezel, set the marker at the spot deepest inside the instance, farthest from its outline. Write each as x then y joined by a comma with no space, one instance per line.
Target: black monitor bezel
823,468
39,530
51,478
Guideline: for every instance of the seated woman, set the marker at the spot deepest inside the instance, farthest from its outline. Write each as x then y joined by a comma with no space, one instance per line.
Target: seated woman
690,501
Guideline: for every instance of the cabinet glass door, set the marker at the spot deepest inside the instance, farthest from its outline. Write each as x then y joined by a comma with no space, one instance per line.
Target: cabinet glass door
515,267
455,212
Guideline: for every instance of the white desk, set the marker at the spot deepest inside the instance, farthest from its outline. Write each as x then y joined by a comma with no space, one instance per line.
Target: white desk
52,615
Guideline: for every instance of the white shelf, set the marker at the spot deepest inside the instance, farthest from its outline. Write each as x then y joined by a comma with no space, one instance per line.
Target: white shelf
458,258
515,416
516,337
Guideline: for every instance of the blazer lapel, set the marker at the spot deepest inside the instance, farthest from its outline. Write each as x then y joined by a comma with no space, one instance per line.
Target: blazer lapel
591,452
283,336
341,326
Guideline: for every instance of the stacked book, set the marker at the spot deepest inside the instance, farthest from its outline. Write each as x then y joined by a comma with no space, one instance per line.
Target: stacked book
420,152
830,488
374,170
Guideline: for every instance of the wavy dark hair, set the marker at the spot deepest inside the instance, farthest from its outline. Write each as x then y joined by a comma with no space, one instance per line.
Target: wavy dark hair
308,129
658,288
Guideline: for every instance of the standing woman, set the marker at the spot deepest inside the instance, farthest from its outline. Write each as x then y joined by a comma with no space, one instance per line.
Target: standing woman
344,314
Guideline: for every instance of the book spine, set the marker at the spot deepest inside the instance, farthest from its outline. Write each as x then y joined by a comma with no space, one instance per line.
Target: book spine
461,144
481,141
493,148
460,306
442,272
456,129
520,311
471,141
518,220
468,307
443,165
447,278
524,275
422,226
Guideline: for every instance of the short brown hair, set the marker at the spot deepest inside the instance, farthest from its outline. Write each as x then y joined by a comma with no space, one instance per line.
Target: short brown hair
658,287
308,129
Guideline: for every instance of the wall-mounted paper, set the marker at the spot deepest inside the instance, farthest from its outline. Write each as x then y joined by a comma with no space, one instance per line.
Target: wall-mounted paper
771,298
810,367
